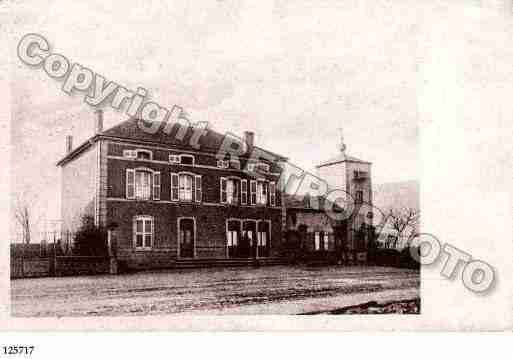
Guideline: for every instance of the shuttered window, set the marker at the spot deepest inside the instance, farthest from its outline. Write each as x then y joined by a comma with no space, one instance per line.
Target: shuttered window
174,186
156,185
272,193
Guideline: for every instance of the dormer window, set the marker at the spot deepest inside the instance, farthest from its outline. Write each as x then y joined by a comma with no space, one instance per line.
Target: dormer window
143,155
263,167
250,167
138,154
129,154
223,164
174,158
182,159
187,160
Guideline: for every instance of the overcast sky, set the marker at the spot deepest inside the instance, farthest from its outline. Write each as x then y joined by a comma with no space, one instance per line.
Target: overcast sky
291,71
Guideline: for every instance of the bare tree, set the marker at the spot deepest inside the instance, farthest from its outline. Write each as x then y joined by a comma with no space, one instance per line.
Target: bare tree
404,221
24,215
23,219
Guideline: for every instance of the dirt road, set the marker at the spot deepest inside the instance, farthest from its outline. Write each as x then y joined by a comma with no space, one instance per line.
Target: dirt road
266,290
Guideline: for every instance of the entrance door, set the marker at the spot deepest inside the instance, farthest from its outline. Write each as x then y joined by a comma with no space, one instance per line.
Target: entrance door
248,240
186,237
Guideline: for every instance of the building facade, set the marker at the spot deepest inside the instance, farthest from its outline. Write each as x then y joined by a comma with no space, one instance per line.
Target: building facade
327,235
169,197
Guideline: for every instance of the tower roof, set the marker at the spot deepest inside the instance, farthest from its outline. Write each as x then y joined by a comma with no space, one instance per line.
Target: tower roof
342,157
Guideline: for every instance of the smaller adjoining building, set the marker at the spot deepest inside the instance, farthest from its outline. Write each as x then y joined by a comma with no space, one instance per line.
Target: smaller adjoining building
314,234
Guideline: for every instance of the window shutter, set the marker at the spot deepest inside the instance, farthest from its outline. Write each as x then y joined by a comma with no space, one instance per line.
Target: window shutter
130,183
156,185
223,190
253,190
244,191
174,186
272,193
197,186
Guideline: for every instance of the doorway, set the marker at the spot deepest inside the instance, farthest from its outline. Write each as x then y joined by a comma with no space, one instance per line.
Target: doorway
186,237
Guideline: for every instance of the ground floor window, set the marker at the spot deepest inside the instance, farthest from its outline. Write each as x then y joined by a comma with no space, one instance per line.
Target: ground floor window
232,237
321,241
143,232
263,238
247,238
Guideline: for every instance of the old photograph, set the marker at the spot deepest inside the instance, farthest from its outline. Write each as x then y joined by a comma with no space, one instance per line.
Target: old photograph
223,158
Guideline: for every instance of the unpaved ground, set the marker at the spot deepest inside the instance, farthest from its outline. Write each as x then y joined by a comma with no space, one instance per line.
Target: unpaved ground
266,290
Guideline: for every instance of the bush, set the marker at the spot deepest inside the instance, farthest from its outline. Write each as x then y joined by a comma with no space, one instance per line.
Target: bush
90,240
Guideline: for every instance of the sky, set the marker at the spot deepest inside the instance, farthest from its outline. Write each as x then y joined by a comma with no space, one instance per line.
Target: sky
294,72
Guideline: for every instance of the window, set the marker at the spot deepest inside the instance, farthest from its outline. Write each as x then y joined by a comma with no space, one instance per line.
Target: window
223,164
263,167
138,154
174,158
262,189
143,232
244,191
263,238
182,159
187,160
250,167
143,155
320,241
185,187
229,190
232,238
359,197
142,184
129,154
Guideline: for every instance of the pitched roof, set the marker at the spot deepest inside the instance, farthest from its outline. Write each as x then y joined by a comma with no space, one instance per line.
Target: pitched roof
341,158
129,129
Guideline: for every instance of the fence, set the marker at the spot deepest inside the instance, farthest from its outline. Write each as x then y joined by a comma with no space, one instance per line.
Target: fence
53,257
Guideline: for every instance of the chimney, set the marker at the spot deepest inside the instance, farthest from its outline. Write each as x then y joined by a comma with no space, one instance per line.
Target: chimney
69,144
249,140
99,120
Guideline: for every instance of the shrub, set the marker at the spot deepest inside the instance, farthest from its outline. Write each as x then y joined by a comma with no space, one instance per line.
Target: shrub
90,240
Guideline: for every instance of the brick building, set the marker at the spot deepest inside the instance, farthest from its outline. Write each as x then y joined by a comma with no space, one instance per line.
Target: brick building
170,196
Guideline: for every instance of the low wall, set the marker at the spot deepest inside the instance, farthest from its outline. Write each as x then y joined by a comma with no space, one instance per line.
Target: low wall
81,265
30,267
58,266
